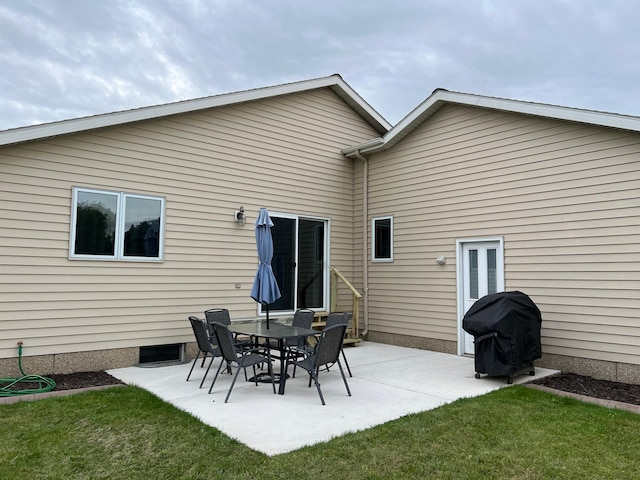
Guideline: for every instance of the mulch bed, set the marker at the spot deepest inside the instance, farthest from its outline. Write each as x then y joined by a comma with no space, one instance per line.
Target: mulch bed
591,387
72,381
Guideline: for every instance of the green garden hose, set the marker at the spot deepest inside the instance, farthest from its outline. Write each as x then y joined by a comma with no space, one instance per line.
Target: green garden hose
10,387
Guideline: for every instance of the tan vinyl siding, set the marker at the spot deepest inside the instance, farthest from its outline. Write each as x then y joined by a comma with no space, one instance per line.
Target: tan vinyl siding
564,197
282,153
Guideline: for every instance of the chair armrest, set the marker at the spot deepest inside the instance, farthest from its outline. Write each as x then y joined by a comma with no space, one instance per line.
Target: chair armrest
304,351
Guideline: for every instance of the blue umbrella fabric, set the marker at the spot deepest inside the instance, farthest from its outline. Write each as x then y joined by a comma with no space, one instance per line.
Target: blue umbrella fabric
265,288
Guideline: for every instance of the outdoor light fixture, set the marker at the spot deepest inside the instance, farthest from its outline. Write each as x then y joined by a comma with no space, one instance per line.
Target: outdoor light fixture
441,260
240,217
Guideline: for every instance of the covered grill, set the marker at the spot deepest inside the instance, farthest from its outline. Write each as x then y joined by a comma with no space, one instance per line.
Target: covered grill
506,330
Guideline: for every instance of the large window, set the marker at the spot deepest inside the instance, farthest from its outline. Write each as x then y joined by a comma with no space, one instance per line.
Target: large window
382,239
116,226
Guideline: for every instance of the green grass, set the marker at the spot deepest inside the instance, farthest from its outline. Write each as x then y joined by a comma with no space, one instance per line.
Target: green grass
128,433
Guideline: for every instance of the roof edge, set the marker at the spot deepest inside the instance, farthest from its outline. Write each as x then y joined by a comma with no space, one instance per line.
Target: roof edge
441,96
75,125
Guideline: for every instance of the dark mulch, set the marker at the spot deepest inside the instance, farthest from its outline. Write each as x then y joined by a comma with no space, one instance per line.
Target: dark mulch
605,389
71,381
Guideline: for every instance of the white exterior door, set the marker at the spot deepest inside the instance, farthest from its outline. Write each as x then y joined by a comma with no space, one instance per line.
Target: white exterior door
480,272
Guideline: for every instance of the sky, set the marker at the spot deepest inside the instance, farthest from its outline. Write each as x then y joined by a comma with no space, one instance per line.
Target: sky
62,59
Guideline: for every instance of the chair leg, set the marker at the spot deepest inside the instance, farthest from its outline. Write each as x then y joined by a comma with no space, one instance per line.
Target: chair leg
344,379
217,373
286,369
233,382
207,372
314,374
195,360
311,375
345,362
273,381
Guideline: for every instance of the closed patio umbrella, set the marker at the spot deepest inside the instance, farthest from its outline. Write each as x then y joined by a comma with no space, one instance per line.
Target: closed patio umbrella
265,288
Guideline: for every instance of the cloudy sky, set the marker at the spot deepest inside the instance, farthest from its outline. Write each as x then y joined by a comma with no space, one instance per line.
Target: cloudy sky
62,59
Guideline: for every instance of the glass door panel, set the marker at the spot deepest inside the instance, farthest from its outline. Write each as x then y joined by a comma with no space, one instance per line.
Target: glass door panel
283,233
310,264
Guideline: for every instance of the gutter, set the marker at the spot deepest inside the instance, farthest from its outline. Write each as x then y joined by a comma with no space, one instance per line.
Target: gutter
356,151
365,258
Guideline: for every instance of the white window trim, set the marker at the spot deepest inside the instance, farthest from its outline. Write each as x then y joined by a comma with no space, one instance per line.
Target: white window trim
373,239
119,234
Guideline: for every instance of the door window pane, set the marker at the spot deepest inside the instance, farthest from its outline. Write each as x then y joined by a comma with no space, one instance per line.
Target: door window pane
473,274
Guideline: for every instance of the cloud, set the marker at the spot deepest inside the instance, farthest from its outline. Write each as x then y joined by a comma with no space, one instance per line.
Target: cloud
70,58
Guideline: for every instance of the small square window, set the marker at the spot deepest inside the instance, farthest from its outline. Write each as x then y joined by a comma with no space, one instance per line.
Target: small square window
382,239
116,226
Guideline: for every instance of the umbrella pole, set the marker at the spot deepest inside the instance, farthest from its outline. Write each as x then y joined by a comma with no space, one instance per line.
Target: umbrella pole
267,306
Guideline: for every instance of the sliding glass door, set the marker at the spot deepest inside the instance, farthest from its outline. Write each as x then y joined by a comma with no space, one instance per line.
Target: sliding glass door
299,253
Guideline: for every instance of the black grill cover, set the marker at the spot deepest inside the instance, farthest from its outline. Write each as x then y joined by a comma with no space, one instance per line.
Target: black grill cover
506,330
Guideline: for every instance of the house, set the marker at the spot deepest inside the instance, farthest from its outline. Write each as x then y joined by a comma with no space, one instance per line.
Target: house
116,227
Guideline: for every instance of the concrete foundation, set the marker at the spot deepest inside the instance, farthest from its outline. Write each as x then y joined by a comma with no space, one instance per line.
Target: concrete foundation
92,361
601,369
617,372
433,344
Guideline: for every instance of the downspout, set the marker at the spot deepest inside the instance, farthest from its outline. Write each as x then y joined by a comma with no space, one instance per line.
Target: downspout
365,238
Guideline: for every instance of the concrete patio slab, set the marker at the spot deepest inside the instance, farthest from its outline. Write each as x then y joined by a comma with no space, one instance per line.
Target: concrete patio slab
388,382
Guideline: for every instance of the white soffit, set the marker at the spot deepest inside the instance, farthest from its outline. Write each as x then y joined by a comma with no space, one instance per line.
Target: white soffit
335,82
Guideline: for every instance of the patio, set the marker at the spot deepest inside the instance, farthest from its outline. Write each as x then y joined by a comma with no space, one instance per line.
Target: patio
388,382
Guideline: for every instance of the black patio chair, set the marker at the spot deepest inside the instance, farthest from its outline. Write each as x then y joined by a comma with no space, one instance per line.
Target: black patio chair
299,347
204,346
326,352
302,318
221,315
340,318
241,358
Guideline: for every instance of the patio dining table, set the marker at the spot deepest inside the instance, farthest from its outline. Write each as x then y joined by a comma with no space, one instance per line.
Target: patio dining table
278,332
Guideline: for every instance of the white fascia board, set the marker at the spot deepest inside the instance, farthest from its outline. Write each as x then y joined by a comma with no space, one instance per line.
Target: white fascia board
335,82
604,119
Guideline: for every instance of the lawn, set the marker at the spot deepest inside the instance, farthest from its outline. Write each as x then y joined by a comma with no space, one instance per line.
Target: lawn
514,432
